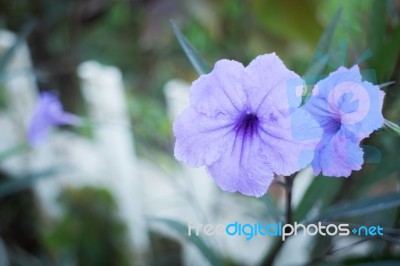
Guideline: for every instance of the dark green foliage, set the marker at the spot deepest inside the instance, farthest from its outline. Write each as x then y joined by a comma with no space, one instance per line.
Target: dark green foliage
89,232
165,251
20,224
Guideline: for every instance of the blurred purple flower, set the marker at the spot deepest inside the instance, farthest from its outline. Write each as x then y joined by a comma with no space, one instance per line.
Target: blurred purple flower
348,110
244,125
49,113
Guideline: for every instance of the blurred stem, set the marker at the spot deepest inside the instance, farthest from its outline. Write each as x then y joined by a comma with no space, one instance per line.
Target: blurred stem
270,258
289,185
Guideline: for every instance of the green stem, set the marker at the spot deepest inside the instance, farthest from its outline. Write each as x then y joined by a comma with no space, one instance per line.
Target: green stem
270,258
289,185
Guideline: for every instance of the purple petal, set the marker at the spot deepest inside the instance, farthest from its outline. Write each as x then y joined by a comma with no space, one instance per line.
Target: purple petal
348,110
48,113
200,139
344,97
243,167
245,125
273,85
222,91
38,130
290,140
317,107
338,155
66,119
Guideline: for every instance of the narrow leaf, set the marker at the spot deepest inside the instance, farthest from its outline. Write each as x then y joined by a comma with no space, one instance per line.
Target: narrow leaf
325,42
391,127
182,229
315,69
387,167
364,56
17,184
386,84
361,207
320,57
194,57
313,196
7,55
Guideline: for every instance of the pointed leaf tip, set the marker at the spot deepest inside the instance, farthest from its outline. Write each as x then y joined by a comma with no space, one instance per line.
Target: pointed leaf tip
194,57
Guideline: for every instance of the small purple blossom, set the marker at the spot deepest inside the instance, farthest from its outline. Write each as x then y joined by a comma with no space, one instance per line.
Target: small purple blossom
244,126
348,110
49,113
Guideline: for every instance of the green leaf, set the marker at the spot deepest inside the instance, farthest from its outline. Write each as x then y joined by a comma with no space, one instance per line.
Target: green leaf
376,34
386,84
384,40
271,209
315,69
17,184
384,57
391,127
268,14
6,57
377,174
371,154
182,229
321,56
321,190
324,46
194,57
361,207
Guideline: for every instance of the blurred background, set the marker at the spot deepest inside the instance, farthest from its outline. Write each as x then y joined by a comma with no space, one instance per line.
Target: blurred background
110,192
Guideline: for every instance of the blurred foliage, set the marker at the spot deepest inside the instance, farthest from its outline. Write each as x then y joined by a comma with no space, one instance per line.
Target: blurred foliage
20,225
136,36
89,231
20,183
269,12
207,250
156,122
3,98
165,251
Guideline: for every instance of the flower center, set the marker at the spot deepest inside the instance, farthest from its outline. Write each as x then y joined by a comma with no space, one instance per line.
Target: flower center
247,125
336,124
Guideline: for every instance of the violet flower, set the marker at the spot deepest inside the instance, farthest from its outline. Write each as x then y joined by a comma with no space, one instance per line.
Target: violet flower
348,110
245,126
49,113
